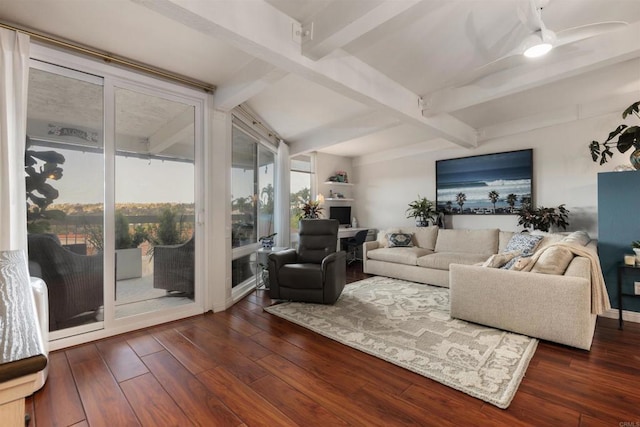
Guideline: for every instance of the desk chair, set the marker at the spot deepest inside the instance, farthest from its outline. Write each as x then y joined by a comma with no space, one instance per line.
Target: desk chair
353,243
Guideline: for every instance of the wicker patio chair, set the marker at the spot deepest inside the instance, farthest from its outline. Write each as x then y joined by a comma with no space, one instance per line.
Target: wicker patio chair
75,282
174,267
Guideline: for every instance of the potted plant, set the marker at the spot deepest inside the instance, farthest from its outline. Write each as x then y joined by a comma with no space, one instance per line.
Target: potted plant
636,248
543,218
128,254
267,241
311,210
628,136
422,210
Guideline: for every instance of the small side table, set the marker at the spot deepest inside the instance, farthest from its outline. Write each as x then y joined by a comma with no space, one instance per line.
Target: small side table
623,272
262,262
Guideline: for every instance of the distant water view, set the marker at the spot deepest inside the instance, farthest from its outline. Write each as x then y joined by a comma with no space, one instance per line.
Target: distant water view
466,185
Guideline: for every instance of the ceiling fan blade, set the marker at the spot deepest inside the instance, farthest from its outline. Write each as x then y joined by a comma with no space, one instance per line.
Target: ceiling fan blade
571,35
512,59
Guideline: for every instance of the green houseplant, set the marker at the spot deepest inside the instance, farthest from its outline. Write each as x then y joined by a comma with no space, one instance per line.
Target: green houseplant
627,137
311,210
636,248
542,218
422,210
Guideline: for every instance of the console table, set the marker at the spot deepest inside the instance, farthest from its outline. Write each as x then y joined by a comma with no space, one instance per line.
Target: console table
623,272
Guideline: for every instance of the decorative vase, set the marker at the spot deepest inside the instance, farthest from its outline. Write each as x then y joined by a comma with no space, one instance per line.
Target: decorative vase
421,223
267,243
637,251
635,159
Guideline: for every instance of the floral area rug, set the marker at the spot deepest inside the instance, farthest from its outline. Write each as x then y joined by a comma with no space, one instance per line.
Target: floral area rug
408,324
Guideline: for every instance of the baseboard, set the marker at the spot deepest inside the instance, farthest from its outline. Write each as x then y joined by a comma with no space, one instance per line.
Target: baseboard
628,316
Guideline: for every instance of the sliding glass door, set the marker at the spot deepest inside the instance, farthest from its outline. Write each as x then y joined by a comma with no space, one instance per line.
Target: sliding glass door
112,199
65,193
154,203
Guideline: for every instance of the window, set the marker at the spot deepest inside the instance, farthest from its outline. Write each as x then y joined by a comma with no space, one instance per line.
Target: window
302,188
252,198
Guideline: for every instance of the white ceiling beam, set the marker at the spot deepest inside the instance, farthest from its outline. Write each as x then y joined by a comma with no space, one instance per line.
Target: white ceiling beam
416,149
340,23
262,31
252,79
341,131
594,53
558,116
178,129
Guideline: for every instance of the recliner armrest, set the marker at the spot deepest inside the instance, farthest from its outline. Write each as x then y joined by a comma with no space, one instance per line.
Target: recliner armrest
281,258
336,256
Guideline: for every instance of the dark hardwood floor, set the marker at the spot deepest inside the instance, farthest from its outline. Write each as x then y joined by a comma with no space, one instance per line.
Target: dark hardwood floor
246,367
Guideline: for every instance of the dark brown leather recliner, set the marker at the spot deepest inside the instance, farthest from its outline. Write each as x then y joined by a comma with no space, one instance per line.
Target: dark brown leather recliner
314,273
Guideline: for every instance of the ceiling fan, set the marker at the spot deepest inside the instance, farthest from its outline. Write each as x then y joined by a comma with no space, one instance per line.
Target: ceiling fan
539,41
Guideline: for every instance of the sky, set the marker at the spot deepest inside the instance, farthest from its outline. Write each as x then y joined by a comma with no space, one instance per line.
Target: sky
137,180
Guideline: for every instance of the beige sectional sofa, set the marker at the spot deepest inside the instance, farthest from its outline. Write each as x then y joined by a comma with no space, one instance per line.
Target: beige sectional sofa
554,307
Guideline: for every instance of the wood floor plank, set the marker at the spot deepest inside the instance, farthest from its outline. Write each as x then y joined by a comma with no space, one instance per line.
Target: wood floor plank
121,359
235,323
201,406
326,394
248,405
152,404
295,404
58,402
332,365
225,354
190,355
143,343
102,399
235,340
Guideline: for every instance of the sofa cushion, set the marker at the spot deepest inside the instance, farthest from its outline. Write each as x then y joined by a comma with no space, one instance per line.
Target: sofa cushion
503,239
578,237
442,260
468,241
400,240
424,237
407,256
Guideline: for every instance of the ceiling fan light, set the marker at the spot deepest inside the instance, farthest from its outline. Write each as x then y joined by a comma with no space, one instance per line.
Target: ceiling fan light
538,43
538,50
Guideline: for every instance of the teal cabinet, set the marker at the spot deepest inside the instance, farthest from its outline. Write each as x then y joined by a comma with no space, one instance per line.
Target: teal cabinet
618,226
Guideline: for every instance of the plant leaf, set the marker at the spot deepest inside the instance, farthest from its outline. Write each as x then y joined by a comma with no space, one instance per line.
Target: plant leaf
594,147
616,132
633,108
626,141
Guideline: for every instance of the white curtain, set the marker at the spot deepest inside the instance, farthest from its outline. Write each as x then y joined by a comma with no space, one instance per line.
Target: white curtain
14,78
283,178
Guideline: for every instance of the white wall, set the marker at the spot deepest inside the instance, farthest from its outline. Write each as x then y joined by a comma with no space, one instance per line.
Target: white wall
563,173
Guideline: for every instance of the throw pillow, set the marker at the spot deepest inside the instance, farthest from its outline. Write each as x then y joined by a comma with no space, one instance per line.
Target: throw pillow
400,240
382,237
523,242
498,260
579,237
553,260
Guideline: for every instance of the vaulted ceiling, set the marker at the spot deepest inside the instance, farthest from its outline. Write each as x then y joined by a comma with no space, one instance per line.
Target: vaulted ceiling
365,77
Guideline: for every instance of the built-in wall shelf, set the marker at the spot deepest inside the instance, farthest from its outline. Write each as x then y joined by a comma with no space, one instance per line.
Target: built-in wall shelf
338,199
337,183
